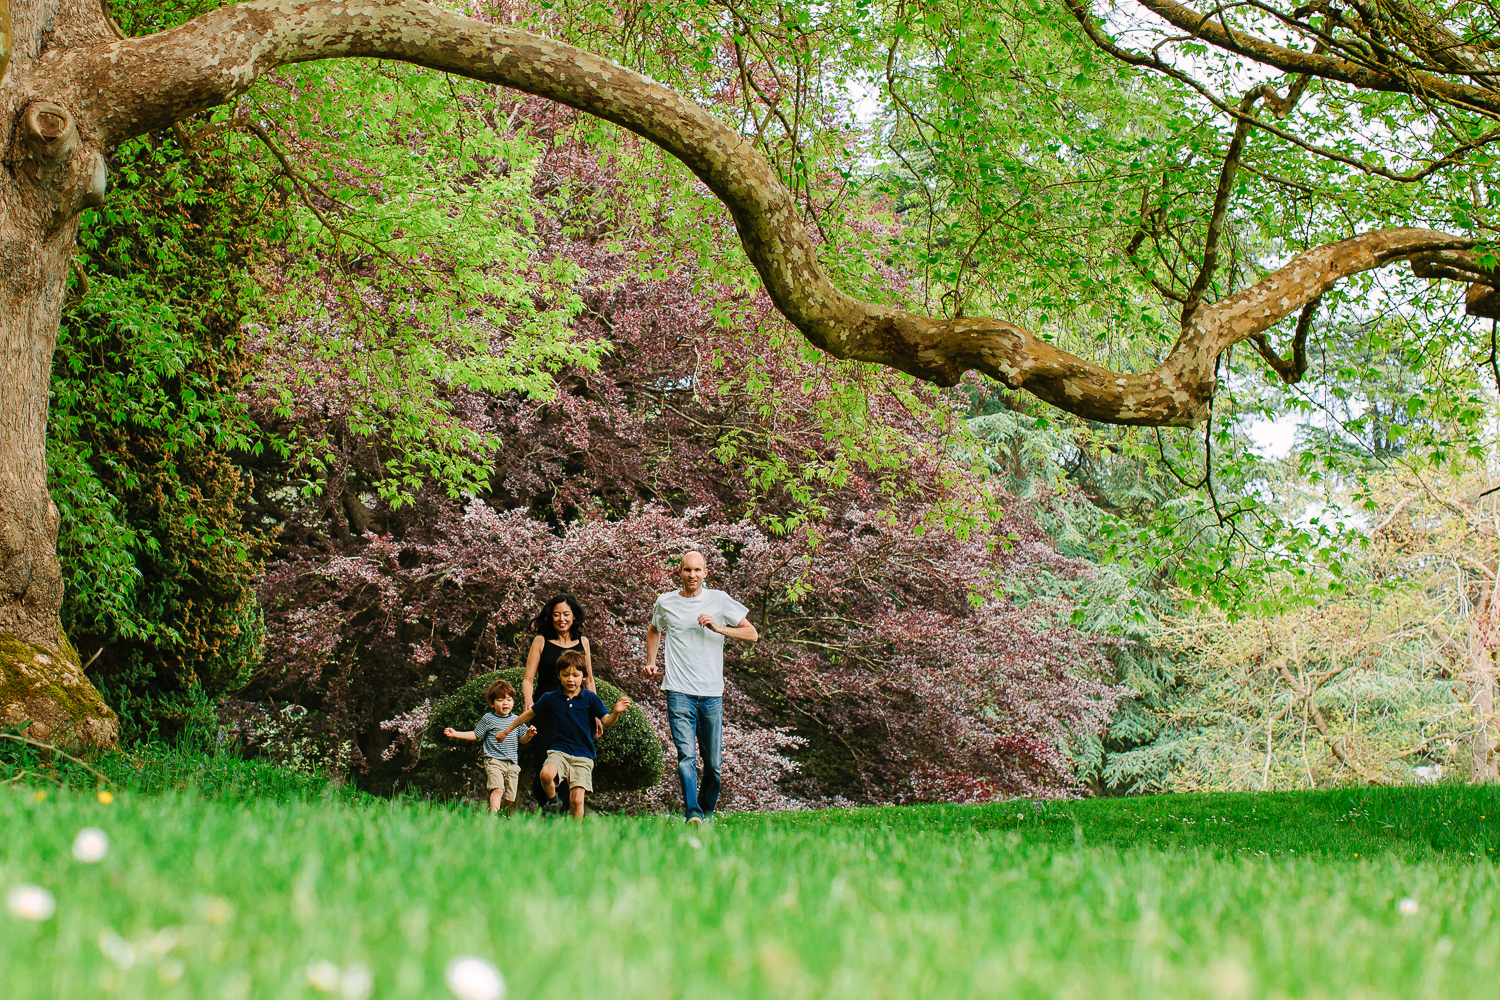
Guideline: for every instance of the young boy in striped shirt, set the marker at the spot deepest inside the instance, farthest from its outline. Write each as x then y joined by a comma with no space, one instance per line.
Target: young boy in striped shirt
502,763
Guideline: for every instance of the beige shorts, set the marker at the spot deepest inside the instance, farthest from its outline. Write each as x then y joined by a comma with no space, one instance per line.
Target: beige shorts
504,775
578,772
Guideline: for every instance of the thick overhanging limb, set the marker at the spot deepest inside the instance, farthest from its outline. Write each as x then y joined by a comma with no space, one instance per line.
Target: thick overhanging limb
122,88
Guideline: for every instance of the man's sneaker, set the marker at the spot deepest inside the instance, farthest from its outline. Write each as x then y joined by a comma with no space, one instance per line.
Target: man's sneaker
695,821
553,806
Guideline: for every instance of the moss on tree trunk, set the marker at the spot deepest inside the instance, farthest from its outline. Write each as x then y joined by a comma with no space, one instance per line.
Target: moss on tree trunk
49,690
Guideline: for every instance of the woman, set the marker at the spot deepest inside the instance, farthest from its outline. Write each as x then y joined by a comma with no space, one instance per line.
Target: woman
558,627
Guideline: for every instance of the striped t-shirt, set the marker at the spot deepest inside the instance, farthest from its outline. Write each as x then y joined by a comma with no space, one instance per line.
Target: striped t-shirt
505,749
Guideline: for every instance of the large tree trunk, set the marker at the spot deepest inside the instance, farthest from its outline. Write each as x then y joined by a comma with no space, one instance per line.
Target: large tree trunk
51,176
33,268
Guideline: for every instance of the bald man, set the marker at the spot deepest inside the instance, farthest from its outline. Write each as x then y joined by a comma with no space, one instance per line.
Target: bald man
695,622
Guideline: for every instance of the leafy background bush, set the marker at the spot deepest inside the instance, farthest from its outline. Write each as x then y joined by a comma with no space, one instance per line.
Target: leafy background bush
146,435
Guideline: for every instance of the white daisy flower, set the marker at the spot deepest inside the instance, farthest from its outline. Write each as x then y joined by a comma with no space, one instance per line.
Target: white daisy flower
473,978
91,845
31,902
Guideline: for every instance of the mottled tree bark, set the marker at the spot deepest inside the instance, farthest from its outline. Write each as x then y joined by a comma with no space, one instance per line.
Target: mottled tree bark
102,89
52,179
50,176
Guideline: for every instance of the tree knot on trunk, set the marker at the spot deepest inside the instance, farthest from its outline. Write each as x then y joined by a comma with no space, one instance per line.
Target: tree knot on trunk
65,174
48,122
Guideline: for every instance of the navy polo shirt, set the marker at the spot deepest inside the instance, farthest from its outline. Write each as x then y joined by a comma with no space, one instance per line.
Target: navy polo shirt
572,720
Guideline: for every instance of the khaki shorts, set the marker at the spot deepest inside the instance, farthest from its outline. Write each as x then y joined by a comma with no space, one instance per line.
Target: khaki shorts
504,775
578,772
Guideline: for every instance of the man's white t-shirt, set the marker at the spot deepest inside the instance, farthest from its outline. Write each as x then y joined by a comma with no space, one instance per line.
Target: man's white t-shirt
694,655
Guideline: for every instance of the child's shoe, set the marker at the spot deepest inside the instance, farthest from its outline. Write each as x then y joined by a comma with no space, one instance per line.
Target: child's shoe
553,806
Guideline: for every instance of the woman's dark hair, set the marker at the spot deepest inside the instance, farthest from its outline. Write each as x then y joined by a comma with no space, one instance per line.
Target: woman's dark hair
542,623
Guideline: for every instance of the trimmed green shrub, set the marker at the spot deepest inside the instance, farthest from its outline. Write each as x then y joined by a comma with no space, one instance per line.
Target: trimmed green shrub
629,760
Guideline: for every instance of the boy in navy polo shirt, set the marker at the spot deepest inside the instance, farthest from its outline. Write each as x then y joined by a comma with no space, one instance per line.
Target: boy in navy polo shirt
572,711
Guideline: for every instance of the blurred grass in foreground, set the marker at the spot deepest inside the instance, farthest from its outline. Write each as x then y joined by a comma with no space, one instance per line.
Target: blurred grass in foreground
1223,896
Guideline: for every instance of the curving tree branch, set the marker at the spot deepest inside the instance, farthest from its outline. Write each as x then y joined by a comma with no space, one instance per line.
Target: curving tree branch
1290,372
1369,76
123,88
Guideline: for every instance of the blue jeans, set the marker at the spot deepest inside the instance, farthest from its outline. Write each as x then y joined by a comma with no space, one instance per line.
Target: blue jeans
696,715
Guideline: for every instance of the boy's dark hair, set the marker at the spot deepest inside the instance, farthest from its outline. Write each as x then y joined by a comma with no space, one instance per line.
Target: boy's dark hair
572,658
498,690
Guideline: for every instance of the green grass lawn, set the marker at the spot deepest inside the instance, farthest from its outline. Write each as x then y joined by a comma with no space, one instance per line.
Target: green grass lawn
221,894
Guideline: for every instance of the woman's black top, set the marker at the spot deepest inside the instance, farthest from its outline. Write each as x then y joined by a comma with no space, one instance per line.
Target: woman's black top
546,667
